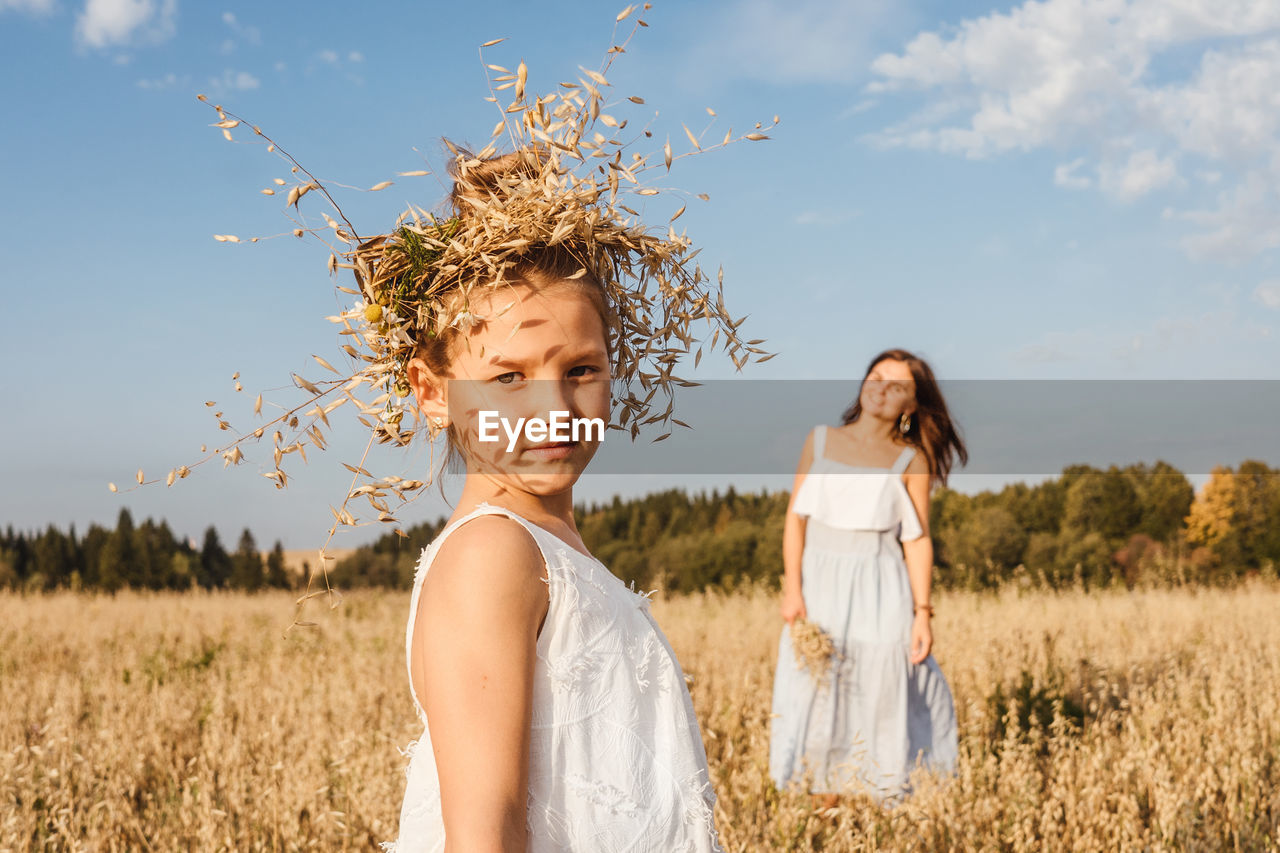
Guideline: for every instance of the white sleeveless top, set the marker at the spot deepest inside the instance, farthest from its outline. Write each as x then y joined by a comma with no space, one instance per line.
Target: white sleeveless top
857,497
616,760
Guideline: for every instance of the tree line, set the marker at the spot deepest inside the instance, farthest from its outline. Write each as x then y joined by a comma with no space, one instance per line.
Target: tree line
1140,525
137,556
1088,527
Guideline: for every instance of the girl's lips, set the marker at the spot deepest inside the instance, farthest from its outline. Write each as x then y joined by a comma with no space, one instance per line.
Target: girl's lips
552,450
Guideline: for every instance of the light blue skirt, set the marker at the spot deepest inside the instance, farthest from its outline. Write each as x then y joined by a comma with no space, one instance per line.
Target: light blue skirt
878,715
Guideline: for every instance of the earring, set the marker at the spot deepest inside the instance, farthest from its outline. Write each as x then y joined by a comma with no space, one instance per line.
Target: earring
904,423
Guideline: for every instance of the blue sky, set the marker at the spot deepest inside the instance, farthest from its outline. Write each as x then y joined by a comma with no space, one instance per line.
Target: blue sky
1062,189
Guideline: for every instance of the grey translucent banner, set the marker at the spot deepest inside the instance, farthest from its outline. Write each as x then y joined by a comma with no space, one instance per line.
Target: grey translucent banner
1012,428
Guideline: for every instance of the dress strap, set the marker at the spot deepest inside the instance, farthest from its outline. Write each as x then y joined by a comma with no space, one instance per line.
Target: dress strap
819,440
904,459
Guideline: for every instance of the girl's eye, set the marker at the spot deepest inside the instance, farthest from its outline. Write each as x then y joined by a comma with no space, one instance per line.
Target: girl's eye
579,371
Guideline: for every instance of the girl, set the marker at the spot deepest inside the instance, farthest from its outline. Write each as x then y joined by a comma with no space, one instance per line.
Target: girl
859,488
555,714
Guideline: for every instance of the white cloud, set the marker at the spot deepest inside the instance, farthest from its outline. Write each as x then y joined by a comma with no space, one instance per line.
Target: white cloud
1229,110
1268,293
245,33
1065,176
1036,75
355,56
1245,223
1142,173
329,56
232,81
1086,76
106,22
28,7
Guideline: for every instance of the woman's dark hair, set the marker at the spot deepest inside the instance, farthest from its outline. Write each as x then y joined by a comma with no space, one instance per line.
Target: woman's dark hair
932,430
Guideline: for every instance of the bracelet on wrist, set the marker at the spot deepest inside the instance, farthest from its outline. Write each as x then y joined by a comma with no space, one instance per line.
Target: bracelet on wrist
926,608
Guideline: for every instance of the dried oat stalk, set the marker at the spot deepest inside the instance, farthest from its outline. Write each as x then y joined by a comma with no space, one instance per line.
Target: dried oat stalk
815,651
413,279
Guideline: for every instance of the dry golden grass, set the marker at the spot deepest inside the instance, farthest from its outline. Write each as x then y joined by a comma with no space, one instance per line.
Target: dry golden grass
814,649
165,722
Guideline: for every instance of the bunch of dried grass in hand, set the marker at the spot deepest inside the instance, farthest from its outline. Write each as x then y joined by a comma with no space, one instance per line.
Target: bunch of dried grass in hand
814,649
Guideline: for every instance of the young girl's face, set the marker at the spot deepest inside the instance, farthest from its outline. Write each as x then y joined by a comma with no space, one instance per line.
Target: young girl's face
889,390
534,353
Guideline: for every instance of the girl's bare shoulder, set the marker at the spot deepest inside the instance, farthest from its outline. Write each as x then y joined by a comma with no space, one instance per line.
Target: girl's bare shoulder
487,554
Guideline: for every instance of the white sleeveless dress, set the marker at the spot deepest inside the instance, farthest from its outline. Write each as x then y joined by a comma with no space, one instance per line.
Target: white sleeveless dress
616,760
879,714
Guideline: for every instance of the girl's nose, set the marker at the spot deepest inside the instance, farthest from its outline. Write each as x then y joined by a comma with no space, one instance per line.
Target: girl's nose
551,395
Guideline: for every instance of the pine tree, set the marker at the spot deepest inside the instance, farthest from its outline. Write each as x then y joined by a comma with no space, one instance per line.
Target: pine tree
116,560
277,576
215,565
246,564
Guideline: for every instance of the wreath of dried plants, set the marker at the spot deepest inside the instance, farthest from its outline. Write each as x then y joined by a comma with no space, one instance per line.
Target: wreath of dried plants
576,175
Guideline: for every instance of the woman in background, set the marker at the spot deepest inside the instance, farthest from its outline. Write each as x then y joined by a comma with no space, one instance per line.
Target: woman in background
858,562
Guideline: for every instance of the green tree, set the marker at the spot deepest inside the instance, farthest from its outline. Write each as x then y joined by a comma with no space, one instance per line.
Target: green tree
1164,498
1086,556
116,559
215,564
246,564
277,575
1102,502
54,557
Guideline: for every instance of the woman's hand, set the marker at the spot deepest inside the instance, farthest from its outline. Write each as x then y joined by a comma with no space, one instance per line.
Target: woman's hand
921,637
792,606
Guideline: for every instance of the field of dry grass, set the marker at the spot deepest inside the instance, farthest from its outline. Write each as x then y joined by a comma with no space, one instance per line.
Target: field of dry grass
1145,721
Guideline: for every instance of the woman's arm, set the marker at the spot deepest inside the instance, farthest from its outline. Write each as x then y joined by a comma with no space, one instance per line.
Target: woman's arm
474,648
919,557
793,543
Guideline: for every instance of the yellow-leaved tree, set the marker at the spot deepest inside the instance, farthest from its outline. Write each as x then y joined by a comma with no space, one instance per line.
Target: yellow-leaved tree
1230,515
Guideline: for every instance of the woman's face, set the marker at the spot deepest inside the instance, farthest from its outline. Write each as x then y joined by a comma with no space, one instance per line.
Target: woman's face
889,390
534,354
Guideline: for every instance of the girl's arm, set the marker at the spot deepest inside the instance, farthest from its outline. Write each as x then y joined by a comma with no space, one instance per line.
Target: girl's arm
474,647
919,557
793,543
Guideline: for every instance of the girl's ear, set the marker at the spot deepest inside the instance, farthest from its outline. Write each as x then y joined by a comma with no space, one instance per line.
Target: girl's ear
430,390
